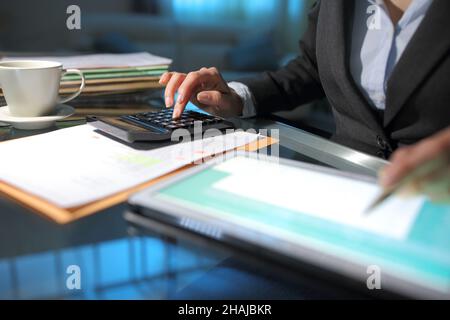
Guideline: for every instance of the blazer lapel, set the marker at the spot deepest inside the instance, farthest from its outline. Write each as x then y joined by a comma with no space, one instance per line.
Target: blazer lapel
429,45
337,44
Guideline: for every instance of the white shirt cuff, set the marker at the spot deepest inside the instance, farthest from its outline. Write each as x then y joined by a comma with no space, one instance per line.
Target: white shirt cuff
243,91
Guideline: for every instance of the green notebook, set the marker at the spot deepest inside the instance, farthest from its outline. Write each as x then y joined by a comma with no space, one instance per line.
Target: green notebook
115,75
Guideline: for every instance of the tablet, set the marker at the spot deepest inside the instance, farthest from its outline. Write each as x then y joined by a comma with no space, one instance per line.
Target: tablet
314,215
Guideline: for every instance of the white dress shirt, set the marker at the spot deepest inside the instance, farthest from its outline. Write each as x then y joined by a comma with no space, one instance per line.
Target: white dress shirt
376,47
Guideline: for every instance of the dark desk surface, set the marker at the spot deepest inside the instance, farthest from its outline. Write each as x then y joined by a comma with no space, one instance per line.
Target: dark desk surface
118,261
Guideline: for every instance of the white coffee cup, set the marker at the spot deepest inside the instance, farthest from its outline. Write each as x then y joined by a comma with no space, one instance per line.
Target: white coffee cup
31,87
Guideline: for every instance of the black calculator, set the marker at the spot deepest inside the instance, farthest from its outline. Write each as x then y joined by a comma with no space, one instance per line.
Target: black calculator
157,126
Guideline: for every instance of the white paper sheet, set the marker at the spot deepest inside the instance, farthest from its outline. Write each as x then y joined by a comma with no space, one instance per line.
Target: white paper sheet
333,198
103,60
75,166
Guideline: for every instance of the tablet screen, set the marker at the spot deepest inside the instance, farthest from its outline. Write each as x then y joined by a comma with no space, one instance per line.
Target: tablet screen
409,238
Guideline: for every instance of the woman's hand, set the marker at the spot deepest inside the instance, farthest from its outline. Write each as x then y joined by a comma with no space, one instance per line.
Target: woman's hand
205,88
426,166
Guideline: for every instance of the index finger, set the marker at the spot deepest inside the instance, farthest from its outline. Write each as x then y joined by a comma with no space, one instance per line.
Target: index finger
203,79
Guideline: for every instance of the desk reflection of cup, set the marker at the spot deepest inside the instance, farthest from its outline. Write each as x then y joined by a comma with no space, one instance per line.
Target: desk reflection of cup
31,87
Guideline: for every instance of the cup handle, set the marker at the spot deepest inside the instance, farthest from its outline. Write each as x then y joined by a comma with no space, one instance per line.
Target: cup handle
76,94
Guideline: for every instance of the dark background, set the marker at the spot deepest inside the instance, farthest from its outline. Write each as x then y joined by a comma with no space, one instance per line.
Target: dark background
240,37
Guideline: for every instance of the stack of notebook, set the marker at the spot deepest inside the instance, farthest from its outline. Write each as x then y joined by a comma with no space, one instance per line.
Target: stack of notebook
107,74
114,80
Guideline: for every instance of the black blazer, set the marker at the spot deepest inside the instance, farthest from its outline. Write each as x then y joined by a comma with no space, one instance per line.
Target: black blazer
418,93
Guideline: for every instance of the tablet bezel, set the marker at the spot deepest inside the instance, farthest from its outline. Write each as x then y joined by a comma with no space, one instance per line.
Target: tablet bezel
176,215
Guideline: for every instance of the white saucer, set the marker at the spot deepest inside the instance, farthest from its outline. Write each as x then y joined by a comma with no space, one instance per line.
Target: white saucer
33,123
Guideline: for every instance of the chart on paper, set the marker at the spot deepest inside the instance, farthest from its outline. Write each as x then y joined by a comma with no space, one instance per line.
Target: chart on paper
75,166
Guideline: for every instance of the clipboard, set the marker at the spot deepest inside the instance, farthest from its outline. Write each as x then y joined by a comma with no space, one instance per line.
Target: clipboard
66,215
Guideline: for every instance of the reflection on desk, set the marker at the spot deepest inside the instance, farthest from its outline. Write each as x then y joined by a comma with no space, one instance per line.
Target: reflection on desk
147,267
128,268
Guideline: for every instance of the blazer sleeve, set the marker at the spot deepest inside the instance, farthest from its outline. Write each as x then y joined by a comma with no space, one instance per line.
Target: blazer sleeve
295,84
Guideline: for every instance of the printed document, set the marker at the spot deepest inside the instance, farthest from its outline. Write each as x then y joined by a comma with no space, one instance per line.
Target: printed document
75,166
